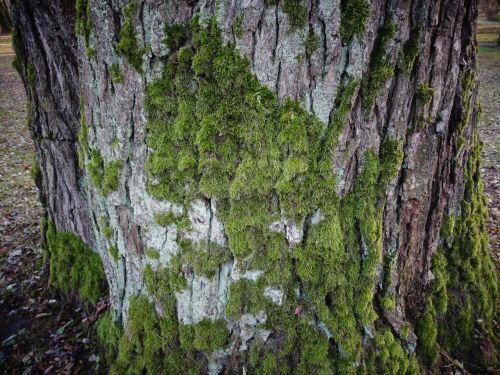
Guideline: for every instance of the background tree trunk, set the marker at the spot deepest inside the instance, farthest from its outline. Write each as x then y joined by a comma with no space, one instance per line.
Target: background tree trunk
158,149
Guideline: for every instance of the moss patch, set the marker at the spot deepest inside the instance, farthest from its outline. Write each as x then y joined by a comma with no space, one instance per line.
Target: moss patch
84,24
128,45
381,67
74,267
354,15
411,49
461,302
261,160
296,11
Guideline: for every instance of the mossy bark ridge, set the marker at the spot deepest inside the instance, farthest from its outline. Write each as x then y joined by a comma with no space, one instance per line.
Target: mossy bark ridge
291,187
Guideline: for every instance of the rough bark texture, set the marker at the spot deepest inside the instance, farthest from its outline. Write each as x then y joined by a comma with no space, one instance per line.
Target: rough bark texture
426,106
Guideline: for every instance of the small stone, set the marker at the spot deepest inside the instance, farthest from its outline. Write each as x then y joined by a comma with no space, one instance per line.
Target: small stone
85,340
92,358
51,301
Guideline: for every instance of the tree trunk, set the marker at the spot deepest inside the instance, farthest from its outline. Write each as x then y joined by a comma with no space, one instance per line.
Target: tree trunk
271,186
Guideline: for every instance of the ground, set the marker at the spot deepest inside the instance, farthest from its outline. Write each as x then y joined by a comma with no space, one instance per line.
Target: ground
489,93
44,332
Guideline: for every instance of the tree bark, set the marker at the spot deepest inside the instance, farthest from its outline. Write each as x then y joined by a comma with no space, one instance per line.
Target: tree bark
397,90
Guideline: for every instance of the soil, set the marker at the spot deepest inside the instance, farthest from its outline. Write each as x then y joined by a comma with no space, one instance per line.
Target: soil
42,332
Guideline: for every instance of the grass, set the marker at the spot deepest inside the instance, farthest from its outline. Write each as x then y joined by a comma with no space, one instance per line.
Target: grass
488,33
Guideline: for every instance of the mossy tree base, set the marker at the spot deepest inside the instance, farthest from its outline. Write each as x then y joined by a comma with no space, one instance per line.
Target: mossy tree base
266,187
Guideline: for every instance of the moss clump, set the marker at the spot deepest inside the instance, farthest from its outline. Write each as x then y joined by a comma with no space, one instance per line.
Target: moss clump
175,36
339,119
152,253
128,46
427,335
83,145
210,335
311,43
411,50
447,226
354,15
115,254
104,176
84,24
105,228
238,26
381,67
386,356
74,267
116,74
391,156
206,259
110,177
471,284
425,94
109,333
165,219
297,13
245,296
461,299
35,169
468,82
31,75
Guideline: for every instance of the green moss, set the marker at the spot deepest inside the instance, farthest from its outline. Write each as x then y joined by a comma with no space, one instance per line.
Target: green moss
216,133
83,146
238,26
104,176
109,333
311,43
152,253
35,169
106,229
447,226
297,13
31,75
206,259
95,167
388,303
354,15
387,356
381,67
391,156
461,299
110,177
115,254
165,219
425,94
74,267
210,335
83,24
116,74
175,36
411,49
469,288
427,335
468,82
128,45
245,296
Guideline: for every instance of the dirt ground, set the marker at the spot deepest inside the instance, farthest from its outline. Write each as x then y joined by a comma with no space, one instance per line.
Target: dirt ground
42,332
489,94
